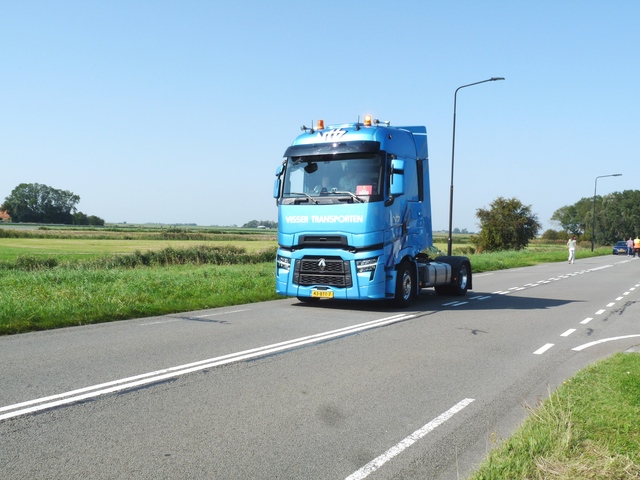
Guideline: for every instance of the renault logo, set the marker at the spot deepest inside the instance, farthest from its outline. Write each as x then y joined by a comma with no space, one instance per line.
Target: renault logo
322,264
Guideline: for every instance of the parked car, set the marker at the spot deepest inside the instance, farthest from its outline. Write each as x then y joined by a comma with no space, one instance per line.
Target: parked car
620,247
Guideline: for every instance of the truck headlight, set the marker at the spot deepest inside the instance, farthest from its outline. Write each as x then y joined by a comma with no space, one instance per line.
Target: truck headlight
283,262
368,265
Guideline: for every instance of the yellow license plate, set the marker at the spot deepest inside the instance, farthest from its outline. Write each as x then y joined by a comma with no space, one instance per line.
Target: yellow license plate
322,293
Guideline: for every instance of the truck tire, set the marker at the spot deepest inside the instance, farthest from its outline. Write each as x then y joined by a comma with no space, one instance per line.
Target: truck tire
461,283
405,284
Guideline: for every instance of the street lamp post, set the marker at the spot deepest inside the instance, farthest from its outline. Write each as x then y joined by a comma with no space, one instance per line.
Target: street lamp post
593,226
453,147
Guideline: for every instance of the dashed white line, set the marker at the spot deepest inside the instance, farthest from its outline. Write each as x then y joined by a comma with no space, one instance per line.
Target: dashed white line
543,349
586,320
454,304
376,463
601,311
568,332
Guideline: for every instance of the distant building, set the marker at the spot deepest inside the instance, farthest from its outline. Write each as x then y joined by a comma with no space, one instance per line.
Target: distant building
4,216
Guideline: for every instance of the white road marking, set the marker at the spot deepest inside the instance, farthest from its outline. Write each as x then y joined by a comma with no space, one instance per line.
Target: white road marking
586,320
543,349
611,304
568,332
601,311
458,304
376,463
591,344
164,374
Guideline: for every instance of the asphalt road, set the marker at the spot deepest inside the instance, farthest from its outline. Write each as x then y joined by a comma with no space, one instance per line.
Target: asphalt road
284,390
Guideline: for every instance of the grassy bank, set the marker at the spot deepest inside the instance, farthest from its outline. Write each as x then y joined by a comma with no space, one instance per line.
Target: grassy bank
44,292
586,429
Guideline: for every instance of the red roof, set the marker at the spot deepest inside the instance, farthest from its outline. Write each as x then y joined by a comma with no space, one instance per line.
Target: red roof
4,215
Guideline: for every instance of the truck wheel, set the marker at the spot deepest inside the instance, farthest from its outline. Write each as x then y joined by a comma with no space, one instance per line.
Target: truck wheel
461,284
404,285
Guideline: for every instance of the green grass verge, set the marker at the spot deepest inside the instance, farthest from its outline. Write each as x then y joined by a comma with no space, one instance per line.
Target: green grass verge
486,262
587,429
61,297
44,292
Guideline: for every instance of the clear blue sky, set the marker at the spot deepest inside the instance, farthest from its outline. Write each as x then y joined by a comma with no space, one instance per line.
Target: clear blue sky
180,111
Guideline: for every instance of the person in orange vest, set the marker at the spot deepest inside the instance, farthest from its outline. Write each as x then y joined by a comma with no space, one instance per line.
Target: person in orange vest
636,246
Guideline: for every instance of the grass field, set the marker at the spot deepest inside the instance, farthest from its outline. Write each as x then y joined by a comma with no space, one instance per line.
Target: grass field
73,248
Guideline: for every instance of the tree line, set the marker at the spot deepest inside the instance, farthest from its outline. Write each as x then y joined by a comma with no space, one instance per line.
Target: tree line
36,203
260,223
617,216
506,225
510,225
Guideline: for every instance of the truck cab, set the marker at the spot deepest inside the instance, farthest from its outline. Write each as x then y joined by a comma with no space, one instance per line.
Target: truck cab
354,216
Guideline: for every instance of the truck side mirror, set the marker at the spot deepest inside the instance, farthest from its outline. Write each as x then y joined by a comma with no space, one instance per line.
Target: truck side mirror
397,177
276,184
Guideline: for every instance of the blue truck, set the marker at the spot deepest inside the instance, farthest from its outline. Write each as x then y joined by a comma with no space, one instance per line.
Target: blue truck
354,217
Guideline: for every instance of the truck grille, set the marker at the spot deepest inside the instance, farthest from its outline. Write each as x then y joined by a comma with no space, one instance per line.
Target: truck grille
329,271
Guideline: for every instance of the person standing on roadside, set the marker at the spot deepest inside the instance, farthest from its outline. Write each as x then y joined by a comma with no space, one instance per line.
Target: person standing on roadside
636,247
572,248
630,250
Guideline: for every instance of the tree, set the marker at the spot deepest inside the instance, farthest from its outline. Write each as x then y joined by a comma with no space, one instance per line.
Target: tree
617,217
260,223
32,202
507,225
575,219
80,218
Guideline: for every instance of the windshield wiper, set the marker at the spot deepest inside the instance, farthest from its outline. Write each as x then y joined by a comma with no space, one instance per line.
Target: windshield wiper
353,196
309,197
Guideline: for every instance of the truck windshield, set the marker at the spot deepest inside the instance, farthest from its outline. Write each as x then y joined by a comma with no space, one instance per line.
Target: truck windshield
334,179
